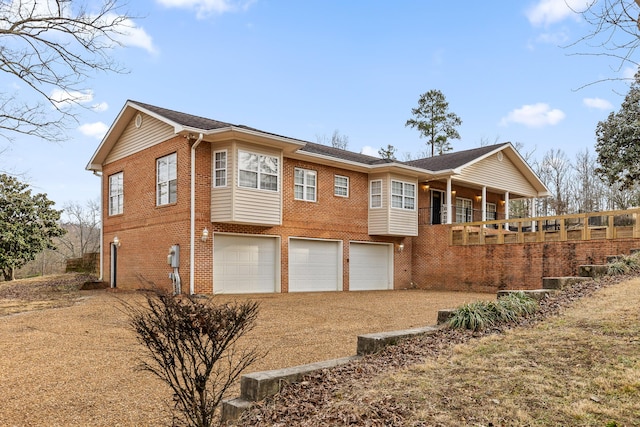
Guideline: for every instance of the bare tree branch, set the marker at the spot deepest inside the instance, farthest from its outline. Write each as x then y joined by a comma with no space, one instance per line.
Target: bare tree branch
53,47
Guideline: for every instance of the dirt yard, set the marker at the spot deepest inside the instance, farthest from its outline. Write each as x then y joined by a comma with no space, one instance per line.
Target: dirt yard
75,365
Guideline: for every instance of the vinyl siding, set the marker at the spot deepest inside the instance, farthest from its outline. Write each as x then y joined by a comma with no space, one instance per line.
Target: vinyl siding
403,222
133,139
241,205
498,174
379,217
222,197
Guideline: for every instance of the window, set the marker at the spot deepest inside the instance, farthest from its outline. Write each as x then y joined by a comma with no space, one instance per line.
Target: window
220,169
341,186
257,171
491,211
304,185
167,182
403,195
375,193
464,210
116,193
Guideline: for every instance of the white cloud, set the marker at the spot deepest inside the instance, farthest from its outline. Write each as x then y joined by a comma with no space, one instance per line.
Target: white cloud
369,151
556,38
62,98
130,35
536,115
95,130
205,8
100,107
546,12
598,103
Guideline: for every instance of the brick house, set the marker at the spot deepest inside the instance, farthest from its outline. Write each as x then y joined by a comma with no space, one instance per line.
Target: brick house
219,208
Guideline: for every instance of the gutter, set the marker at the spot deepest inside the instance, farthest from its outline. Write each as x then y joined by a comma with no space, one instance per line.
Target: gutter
192,242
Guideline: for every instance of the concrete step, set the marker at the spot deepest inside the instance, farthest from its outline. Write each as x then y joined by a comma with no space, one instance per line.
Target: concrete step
373,343
592,271
258,385
444,315
561,282
633,251
232,409
536,294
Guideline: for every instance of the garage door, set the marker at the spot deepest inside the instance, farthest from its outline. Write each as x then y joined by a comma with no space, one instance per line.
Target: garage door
314,265
370,266
244,264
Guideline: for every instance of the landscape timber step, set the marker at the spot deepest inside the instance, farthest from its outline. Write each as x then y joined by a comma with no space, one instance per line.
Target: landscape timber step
562,282
373,343
536,294
614,258
592,271
259,385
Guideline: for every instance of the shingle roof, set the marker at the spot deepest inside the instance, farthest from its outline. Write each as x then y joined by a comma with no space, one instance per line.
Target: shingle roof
453,160
183,118
326,150
436,163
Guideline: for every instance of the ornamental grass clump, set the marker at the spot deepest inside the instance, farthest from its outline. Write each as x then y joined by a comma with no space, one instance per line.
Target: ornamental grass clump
481,315
625,264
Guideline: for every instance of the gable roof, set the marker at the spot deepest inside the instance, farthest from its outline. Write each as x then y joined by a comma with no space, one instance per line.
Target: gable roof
455,160
431,168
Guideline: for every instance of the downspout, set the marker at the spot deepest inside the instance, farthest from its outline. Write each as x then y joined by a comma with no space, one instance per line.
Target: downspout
99,175
192,243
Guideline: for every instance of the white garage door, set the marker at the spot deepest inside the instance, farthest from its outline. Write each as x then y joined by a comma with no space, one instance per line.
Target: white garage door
244,264
314,265
370,266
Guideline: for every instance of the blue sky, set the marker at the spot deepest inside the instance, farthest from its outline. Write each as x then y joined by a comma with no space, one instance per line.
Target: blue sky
306,68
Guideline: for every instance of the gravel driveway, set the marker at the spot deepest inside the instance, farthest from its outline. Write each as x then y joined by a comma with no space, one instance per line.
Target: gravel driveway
74,366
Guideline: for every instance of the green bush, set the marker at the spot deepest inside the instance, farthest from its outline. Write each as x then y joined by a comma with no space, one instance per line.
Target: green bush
480,315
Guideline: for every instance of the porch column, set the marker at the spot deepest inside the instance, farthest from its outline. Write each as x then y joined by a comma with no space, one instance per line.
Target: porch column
506,209
448,200
532,213
484,203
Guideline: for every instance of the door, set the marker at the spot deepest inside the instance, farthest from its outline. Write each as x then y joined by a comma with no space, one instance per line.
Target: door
245,264
315,265
436,207
370,266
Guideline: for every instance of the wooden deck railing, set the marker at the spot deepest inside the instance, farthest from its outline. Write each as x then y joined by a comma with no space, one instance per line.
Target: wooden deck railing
586,226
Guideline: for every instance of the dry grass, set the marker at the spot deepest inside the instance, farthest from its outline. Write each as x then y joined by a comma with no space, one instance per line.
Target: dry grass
74,365
580,369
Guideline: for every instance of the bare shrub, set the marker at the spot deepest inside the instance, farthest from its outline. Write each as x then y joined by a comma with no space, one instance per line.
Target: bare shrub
192,346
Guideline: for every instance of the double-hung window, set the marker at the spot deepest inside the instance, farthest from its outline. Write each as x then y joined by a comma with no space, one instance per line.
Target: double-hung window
220,169
375,194
116,193
257,171
305,184
464,210
167,180
341,186
403,195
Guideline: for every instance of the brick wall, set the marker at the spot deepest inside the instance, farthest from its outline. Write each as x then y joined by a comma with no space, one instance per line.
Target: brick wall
146,231
487,268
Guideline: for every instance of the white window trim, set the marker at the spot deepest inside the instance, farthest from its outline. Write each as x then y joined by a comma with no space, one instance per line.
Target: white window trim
371,194
217,169
458,207
259,173
403,195
119,196
305,184
335,186
168,182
